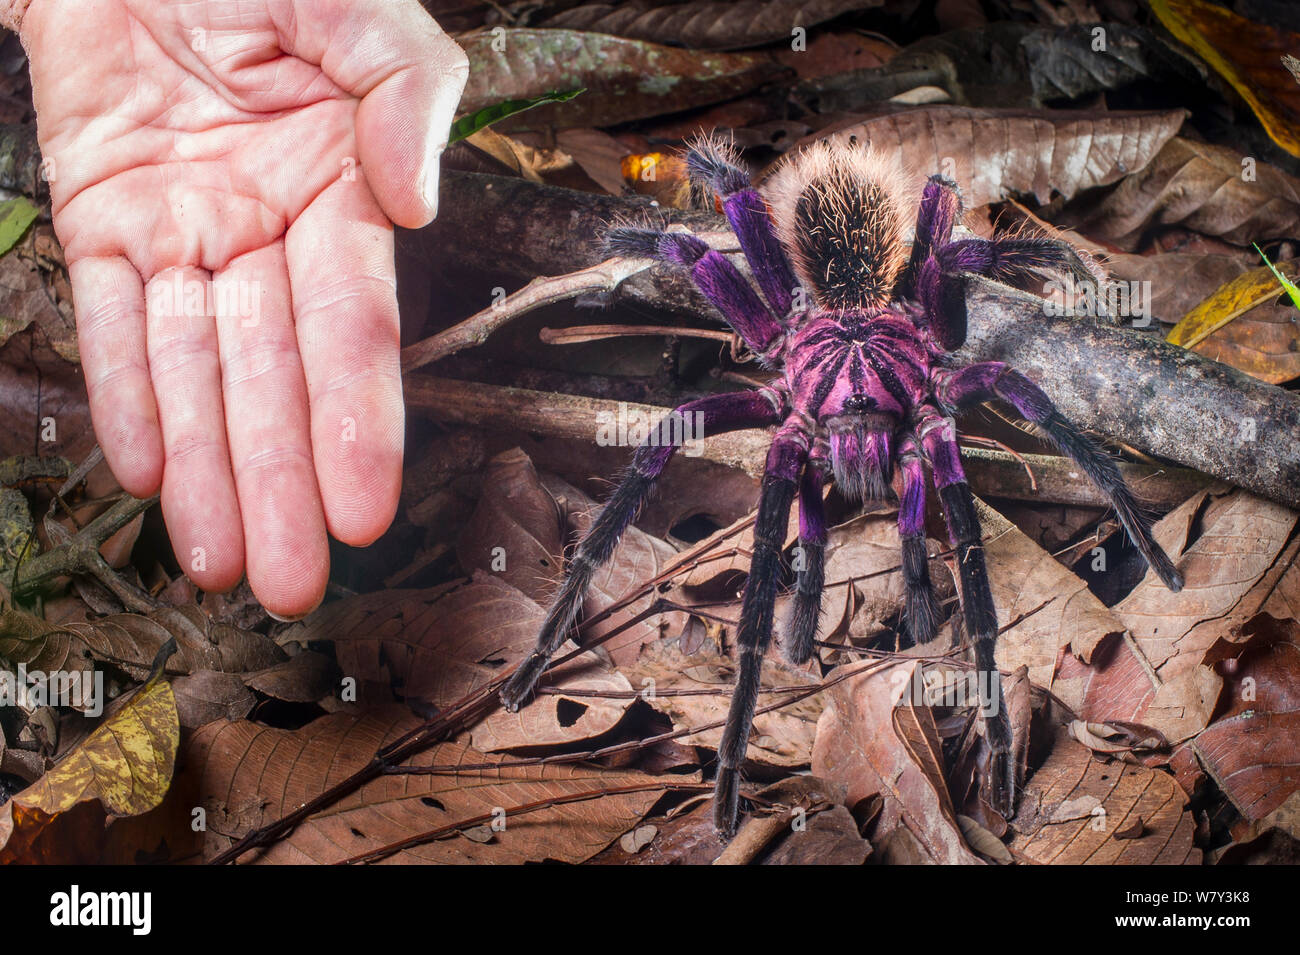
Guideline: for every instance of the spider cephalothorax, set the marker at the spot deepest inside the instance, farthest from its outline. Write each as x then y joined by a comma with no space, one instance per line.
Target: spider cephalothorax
860,330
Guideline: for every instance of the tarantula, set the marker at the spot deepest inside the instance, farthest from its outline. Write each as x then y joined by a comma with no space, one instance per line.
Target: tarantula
860,331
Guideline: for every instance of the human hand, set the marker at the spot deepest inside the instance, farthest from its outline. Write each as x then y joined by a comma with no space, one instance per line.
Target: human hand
251,154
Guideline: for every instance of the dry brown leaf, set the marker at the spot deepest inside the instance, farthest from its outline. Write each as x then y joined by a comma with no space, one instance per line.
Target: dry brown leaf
637,559
1199,187
1073,806
829,837
515,532
130,641
1042,607
207,695
624,79
251,775
1243,562
998,154
303,678
706,24
1251,748
858,744
37,384
1264,343
783,737
437,646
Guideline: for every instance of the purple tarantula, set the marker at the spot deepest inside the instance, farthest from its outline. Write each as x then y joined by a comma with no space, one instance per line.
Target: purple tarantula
865,387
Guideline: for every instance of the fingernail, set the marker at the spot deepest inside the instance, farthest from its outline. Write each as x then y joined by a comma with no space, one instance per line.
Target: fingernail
429,179
275,616
429,187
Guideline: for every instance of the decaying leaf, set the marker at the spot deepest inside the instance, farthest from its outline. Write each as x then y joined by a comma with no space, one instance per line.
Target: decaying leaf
1251,747
783,737
859,744
436,646
123,768
1156,674
625,79
244,781
1200,187
706,24
130,641
997,154
1073,807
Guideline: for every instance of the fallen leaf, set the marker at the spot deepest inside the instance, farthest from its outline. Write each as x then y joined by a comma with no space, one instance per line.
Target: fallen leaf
999,154
1246,54
706,24
783,737
1073,806
858,744
245,782
437,646
1197,186
625,79
123,768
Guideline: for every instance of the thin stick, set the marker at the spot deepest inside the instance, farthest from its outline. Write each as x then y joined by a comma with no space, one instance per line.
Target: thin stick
593,333
544,290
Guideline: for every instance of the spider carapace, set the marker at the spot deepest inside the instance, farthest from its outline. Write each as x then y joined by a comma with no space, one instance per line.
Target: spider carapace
861,330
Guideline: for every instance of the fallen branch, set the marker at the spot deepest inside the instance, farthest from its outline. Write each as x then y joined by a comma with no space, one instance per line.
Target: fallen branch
1158,397
992,473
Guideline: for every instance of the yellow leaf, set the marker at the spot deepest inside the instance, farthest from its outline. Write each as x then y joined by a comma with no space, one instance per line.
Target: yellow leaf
1246,54
1256,287
125,765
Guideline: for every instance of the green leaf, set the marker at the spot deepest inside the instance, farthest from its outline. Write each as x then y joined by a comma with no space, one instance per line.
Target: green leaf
1287,284
467,126
15,216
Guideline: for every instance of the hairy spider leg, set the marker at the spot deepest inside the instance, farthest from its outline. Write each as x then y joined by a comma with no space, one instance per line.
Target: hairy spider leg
721,413
939,439
920,607
1006,259
719,280
713,163
940,209
785,459
988,380
805,615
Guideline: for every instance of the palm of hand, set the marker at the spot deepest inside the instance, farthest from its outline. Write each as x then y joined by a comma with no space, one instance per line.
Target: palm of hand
224,201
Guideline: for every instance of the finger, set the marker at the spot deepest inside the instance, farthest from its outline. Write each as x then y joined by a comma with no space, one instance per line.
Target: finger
409,75
198,493
110,306
348,336
268,428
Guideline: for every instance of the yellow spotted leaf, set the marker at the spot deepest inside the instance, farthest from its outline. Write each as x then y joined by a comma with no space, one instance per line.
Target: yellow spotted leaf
123,768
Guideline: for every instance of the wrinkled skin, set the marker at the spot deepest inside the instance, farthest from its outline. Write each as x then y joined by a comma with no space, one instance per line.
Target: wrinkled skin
272,144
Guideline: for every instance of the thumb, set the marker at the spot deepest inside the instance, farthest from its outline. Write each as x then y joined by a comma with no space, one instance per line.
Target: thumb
409,75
